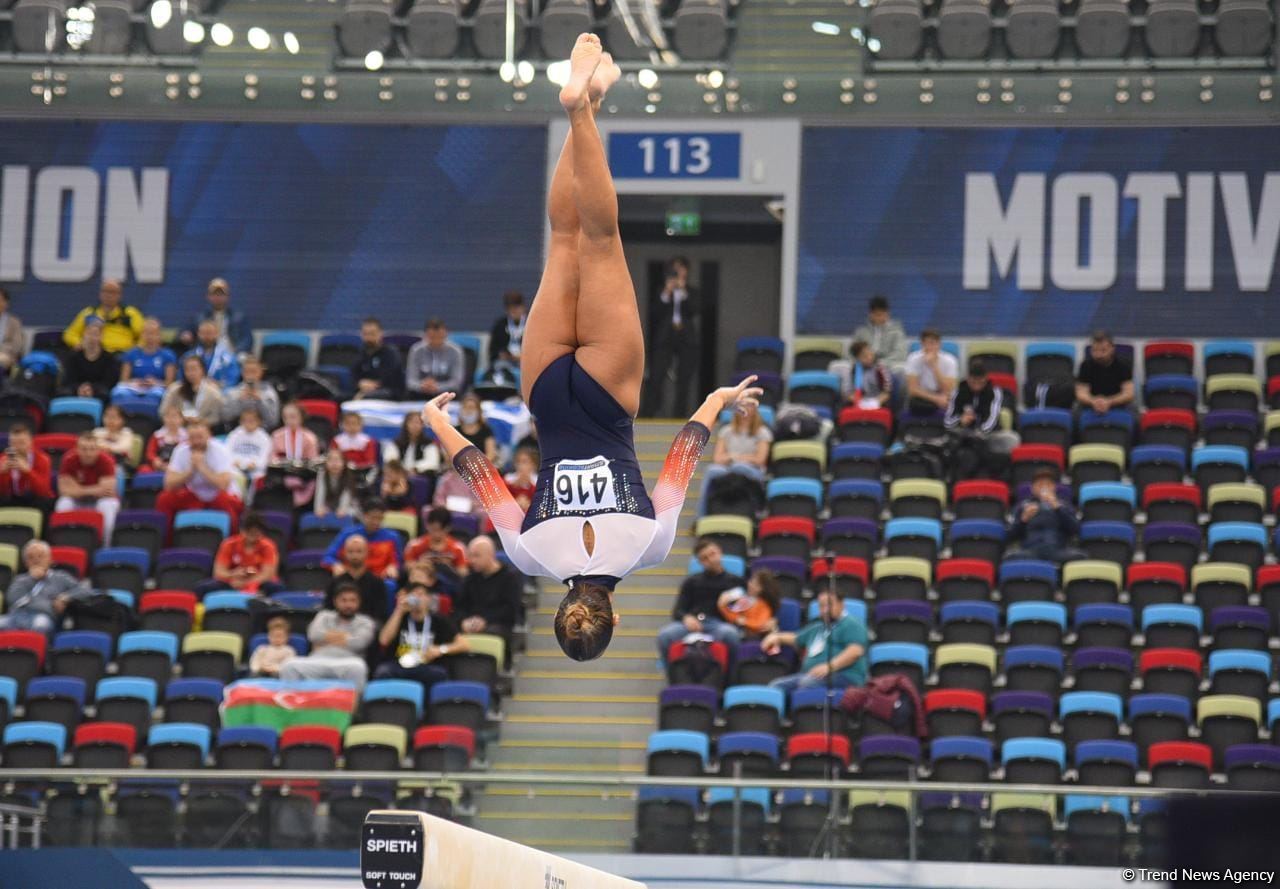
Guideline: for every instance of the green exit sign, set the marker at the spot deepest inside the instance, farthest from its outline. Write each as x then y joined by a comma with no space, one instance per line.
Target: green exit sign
684,224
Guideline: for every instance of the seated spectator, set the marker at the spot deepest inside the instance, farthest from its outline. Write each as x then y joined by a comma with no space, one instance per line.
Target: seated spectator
230,323
251,391
335,488
340,638
696,609
1105,380
455,495
754,610
873,382
414,448
220,362
530,440
296,446
979,446
378,372
162,442
87,480
115,437
523,481
123,322
371,588
12,341
437,546
248,561
415,636
833,647
37,598
1045,524
883,333
931,375
195,395
492,595
250,448
472,425
435,365
269,658
148,368
385,551
199,476
356,445
507,335
90,371
395,490
26,472
742,447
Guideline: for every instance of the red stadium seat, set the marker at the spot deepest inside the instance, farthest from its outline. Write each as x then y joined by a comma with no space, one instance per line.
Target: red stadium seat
446,736
102,734
980,489
1180,752
71,558
956,699
316,407
818,744
76,518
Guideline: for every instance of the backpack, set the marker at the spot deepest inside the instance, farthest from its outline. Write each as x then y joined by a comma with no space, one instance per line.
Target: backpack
796,423
735,494
100,612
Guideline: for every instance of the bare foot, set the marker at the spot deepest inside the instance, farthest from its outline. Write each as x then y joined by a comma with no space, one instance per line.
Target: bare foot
606,75
583,62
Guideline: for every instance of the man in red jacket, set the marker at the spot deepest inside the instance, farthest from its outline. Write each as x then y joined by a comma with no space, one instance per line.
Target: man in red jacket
26,473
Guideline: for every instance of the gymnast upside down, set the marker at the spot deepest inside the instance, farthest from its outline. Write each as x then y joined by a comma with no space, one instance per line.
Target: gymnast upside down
591,522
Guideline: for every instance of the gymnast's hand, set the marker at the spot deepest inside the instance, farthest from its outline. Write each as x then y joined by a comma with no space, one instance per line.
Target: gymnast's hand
741,396
434,412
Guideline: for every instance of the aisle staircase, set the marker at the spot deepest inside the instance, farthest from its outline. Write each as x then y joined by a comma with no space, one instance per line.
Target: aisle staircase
591,717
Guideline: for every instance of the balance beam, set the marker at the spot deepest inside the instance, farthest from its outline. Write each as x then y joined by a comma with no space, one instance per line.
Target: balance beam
406,850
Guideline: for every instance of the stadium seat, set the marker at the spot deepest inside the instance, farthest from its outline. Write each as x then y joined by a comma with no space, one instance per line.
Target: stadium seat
1169,542
1183,764
759,353
310,748
1106,763
972,623
961,759
901,577
1215,584
734,534
856,460
1089,716
1027,580
1235,502
1171,391
1108,670
982,539
917,498
57,699
1103,626
1228,356
1253,767
1151,464
458,703
848,575
1171,427
1231,427
666,819
800,497
1233,392
178,745
899,657
1096,825
1112,542
1226,720
1028,459
72,416
690,708
211,655
33,744
202,529
1237,543
1033,760
83,654
867,426
888,757
1096,463
1215,464
104,745
964,579
285,353
903,620
1107,502
786,536
818,755
126,699
980,499
1115,428
954,712
1240,672
1035,668
913,537
1239,627
245,747
1089,582
748,754
754,708
1037,623
856,498
167,611
443,748
22,655
677,754
814,388
1168,357
1021,714
1175,502
374,747
965,666
753,667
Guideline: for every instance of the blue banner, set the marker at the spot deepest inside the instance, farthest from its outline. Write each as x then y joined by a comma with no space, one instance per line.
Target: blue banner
1042,232
314,226
656,155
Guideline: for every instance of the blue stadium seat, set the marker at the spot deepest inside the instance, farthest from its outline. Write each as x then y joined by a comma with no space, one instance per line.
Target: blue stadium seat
1171,391
1036,623
757,752
1033,760
1050,425
1228,357
1107,501
127,687
794,496
1241,542
203,518
1109,541
33,744
1103,625
1037,668
900,657
969,622
732,564
1027,579
960,758
1089,716
676,745
184,739
917,537
395,689
1106,763
148,640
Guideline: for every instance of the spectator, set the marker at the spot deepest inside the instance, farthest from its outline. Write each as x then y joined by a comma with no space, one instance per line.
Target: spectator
369,586
754,610
340,638
248,561
696,609
455,495
26,473
883,333
491,597
472,425
931,375
437,546
507,334
676,336
395,490
384,550
252,392
435,365
115,437
296,446
872,381
357,447
530,439
36,599
1105,380
195,395
162,442
742,447
123,323
199,476
378,373
250,448
415,636
414,448
90,371
268,659
981,447
335,488
11,336
833,647
87,480
1045,524
230,324
523,482
220,362
148,368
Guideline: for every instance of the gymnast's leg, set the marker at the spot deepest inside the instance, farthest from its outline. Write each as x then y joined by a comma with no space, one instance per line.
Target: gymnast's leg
610,341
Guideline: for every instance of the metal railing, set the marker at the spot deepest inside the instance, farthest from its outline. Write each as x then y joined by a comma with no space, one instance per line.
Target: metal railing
12,828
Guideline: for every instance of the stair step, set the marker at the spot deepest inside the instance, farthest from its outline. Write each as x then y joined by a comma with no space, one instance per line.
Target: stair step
589,710
558,719
542,765
599,730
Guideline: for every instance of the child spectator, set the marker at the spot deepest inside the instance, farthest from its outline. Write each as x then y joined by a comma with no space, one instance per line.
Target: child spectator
523,482
414,448
147,368
115,437
395,487
269,658
294,445
335,488
162,442
754,610
250,448
358,449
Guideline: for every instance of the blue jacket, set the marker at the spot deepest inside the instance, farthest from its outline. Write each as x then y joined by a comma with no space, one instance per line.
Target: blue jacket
333,555
239,330
220,364
1047,528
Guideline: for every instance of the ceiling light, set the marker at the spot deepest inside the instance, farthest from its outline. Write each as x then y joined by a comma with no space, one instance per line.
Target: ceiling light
291,43
507,71
221,34
192,31
525,71
873,44
826,28
647,78
715,79
161,13
558,72
373,61
259,39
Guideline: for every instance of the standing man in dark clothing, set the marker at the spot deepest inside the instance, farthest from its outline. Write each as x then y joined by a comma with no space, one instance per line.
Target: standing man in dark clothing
1105,380
378,373
697,607
507,334
491,597
973,424
1044,524
676,339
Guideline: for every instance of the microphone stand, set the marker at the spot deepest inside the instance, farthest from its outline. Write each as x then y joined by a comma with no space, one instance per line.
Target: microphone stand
826,838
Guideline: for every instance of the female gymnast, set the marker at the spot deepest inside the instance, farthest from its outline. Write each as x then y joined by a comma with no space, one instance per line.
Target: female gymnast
591,522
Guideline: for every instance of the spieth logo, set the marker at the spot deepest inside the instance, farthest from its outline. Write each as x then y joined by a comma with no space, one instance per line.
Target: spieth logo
551,881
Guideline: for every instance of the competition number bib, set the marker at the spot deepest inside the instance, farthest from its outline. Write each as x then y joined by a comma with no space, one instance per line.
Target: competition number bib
584,486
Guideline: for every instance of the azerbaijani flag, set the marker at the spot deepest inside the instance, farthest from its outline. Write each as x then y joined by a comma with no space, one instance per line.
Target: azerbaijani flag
276,704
